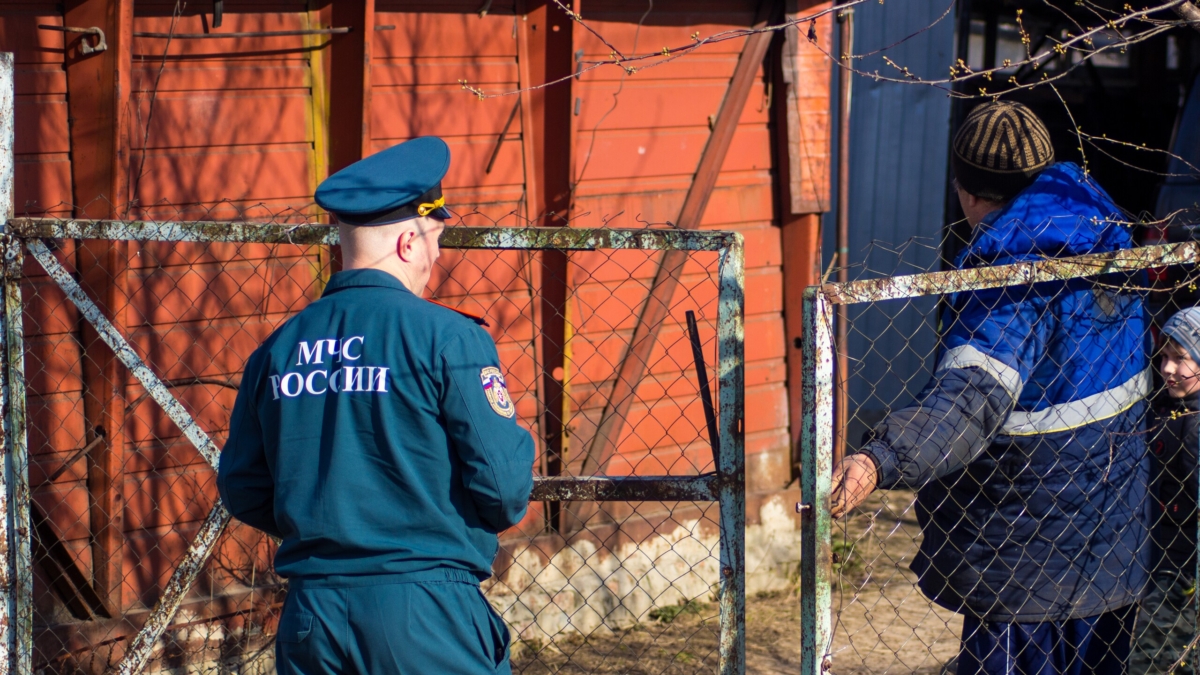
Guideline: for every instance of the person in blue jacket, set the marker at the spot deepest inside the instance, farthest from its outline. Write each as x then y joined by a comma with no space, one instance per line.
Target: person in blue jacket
1027,446
1167,620
374,435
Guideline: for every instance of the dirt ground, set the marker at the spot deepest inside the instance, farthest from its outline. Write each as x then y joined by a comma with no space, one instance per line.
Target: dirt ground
882,622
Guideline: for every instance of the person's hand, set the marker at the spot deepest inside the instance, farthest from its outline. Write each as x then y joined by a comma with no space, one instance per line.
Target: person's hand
853,480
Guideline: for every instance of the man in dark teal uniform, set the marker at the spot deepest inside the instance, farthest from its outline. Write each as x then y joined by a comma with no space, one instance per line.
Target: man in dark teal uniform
374,435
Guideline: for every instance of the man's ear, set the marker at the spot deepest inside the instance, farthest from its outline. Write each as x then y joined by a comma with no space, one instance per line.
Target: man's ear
404,244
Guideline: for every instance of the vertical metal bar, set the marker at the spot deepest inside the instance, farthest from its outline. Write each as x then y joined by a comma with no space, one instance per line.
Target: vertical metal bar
7,574
22,617
710,414
7,139
845,88
815,482
731,357
18,642
7,529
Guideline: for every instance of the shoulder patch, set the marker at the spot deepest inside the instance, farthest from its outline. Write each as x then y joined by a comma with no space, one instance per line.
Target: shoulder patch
497,392
474,317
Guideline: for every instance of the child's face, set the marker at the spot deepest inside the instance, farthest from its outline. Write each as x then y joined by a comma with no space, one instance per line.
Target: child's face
1180,373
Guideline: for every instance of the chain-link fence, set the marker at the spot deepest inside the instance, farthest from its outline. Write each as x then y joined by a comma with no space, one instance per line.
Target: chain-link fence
1023,442
622,351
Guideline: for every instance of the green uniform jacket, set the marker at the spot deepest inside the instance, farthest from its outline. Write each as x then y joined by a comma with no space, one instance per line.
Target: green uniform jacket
373,434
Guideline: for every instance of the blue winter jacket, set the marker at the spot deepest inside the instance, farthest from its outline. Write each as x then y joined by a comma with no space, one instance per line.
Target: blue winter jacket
1025,445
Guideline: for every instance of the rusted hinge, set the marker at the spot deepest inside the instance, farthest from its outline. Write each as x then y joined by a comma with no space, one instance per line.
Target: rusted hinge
84,48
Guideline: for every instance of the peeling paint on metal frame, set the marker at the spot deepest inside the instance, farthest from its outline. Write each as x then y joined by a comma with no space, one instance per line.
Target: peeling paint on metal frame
154,386
704,488
7,591
18,464
142,645
978,278
16,590
201,548
457,237
727,486
816,457
731,390
7,138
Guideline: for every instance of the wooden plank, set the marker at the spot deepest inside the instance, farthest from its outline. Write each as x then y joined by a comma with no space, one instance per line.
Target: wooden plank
634,364
350,83
98,92
544,43
102,266
98,86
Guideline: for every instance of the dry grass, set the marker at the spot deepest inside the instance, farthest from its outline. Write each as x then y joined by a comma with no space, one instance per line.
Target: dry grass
884,624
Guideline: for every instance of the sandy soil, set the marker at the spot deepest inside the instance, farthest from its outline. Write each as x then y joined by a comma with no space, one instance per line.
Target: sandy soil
883,623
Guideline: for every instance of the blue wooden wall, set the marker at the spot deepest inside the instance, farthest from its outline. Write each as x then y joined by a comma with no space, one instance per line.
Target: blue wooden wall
899,141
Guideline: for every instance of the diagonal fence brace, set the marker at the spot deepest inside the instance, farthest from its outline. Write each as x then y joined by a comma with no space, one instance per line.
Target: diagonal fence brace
113,338
177,588
202,547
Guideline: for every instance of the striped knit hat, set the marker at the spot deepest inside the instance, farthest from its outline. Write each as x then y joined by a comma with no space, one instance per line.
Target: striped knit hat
1000,149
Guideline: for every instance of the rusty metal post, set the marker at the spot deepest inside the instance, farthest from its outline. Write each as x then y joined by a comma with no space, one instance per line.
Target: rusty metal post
18,460
11,628
731,466
845,87
7,139
7,575
816,632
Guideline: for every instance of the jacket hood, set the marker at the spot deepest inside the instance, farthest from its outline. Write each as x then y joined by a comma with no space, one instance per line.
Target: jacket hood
1062,213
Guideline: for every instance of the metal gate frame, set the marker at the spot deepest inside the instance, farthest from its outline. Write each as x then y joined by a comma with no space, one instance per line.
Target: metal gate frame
726,485
819,354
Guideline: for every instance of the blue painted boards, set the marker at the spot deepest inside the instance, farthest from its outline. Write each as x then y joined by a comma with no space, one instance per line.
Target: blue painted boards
899,140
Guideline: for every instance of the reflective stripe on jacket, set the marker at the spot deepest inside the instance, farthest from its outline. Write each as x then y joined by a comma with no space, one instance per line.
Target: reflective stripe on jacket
1026,443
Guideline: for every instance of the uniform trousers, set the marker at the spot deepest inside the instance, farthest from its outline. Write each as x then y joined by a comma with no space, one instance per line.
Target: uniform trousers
400,624
1096,644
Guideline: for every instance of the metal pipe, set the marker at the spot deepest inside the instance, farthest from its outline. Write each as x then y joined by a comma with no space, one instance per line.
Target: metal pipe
79,454
18,460
710,415
7,139
500,139
253,34
731,387
1017,274
816,483
458,237
701,488
845,88
8,590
